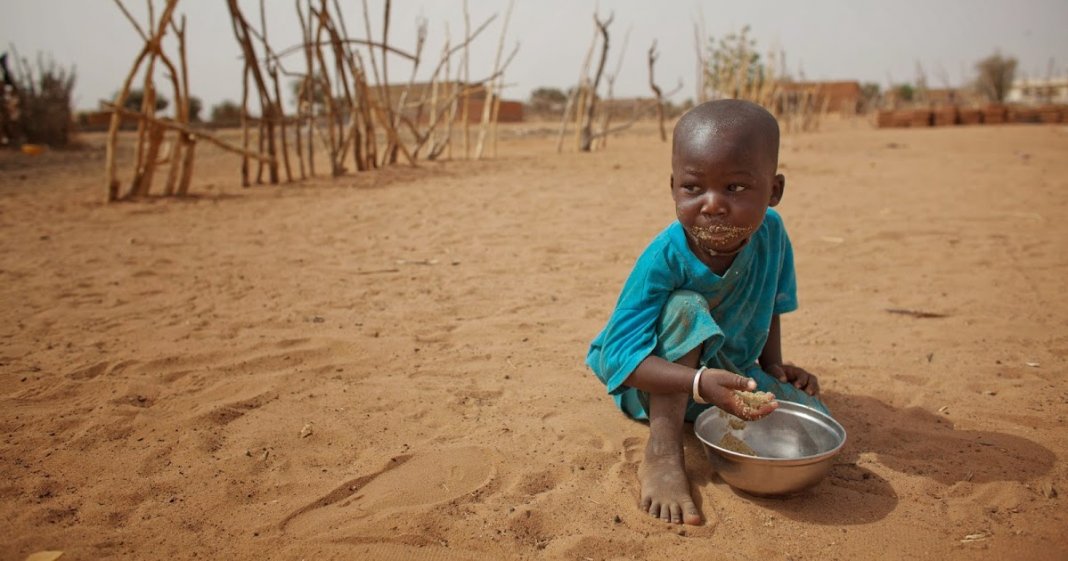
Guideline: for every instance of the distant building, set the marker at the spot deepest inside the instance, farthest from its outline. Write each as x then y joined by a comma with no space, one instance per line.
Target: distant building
423,92
1037,92
841,97
948,97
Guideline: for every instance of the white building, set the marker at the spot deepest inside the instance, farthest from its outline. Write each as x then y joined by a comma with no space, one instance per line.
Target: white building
1037,92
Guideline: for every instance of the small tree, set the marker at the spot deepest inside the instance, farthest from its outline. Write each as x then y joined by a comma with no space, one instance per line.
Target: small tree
36,109
547,100
869,96
734,67
904,92
226,114
995,75
195,107
137,97
318,96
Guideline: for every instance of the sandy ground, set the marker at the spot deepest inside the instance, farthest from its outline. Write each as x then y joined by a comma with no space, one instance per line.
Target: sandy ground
159,360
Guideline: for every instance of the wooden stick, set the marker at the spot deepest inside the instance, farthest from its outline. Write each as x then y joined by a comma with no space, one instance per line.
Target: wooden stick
132,21
182,105
240,27
333,142
149,48
491,93
155,138
309,89
467,78
390,155
187,163
495,117
607,109
351,95
188,145
656,91
167,123
299,119
420,41
244,127
575,92
371,44
148,103
587,121
111,183
380,88
341,58
278,112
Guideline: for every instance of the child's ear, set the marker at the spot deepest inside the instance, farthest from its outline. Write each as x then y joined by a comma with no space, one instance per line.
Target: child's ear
778,185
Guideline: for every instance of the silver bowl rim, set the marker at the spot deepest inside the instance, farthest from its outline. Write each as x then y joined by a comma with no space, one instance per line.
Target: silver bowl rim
803,460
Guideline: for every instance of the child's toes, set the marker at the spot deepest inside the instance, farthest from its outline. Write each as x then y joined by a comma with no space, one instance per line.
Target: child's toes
690,514
654,509
647,504
676,513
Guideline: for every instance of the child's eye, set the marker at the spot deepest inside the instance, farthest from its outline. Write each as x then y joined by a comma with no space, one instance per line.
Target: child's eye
735,188
690,188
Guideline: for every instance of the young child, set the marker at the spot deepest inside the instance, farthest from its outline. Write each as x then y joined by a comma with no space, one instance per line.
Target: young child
698,316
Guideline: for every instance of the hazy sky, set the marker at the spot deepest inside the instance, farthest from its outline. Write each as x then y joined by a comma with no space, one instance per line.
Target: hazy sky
866,40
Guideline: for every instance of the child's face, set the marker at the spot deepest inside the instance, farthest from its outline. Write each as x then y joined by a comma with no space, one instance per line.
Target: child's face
723,185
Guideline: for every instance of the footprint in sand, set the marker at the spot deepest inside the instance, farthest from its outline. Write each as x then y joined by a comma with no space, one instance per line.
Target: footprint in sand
407,482
425,479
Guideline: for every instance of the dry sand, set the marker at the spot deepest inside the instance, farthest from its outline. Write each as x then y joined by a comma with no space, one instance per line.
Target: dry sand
425,331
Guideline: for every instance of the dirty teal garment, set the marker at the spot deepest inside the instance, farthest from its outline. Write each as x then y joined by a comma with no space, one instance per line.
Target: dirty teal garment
727,316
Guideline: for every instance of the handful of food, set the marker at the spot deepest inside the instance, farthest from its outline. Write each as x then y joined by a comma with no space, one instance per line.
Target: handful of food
751,402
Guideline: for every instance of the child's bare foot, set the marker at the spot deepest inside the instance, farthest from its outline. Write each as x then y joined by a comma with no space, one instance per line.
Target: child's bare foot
665,487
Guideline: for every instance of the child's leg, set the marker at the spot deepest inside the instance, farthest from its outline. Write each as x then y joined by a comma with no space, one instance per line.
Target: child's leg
685,324
665,487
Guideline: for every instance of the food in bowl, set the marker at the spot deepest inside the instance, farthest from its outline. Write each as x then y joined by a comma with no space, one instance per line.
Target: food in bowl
735,444
793,448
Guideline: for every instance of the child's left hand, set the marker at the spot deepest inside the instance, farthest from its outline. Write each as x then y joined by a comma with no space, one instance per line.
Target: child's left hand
799,377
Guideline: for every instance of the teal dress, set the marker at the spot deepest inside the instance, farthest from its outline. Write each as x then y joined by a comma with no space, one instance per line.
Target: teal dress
673,303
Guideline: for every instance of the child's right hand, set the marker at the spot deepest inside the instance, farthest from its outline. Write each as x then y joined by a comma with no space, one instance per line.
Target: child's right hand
718,387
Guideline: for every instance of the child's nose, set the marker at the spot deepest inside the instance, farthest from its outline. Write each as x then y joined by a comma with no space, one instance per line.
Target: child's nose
714,203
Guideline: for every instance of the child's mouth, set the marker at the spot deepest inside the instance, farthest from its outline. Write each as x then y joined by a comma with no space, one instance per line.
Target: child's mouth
718,235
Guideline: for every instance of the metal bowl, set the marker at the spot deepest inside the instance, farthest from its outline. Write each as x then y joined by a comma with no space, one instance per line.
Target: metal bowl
795,447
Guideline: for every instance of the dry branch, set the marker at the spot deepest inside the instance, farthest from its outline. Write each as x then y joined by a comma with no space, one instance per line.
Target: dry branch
574,94
656,91
586,139
150,49
170,124
491,92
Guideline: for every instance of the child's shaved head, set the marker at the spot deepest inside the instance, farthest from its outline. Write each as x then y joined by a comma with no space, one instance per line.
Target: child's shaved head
741,121
724,159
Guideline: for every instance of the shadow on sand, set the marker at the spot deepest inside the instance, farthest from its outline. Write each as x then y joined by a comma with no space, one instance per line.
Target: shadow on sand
911,441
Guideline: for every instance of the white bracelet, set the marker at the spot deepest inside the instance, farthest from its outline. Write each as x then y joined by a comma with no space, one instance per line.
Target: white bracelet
697,386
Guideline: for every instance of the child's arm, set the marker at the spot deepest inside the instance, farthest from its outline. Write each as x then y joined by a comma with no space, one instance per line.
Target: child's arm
771,361
659,376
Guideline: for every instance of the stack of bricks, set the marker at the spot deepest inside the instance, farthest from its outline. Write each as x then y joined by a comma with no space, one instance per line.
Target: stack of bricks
969,116
1023,114
893,119
992,114
920,118
945,116
1051,114
995,114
